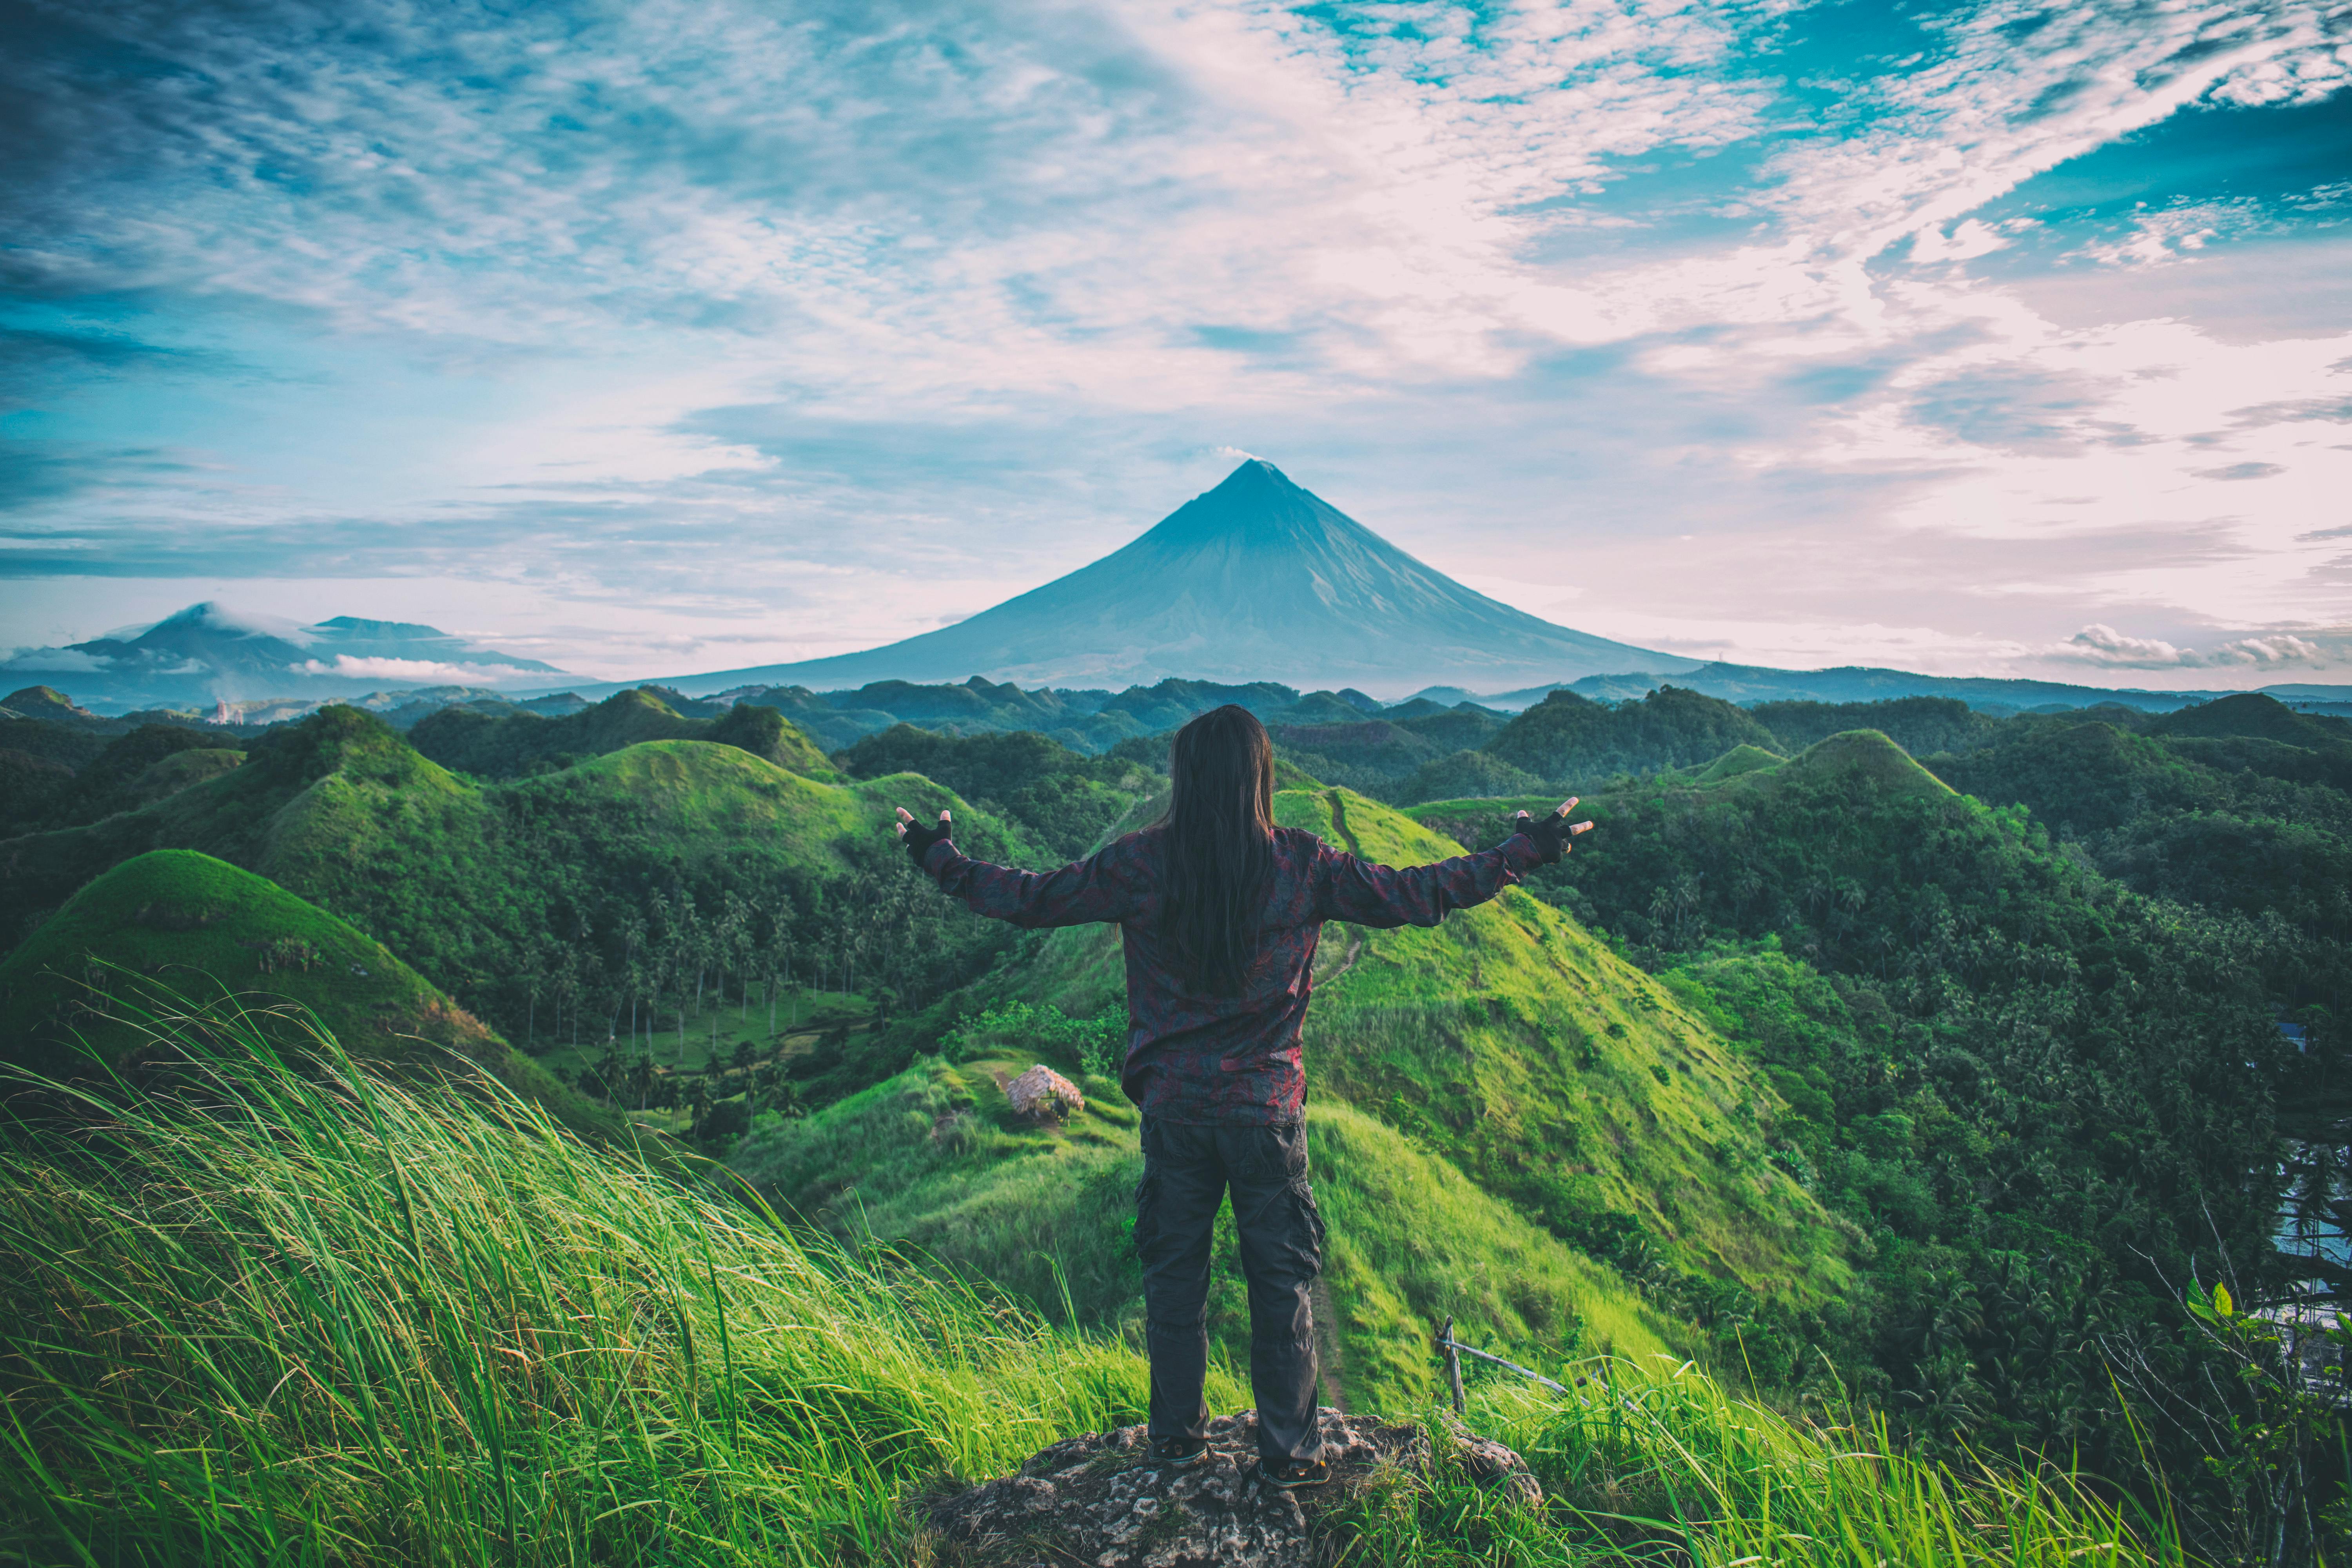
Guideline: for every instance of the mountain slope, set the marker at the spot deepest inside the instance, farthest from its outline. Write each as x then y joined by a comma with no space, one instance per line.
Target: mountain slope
1997,1063
935,1159
1257,579
1511,1043
506,745
175,924
491,890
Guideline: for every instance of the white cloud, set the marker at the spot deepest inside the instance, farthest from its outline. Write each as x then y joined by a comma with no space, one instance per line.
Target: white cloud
61,660
432,671
2102,645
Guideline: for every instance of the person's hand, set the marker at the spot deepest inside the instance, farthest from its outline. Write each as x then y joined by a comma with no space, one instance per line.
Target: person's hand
1552,831
917,838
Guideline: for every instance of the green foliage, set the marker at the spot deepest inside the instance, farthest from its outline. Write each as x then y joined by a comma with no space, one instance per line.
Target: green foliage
2275,1441
1078,720
30,786
70,746
356,1322
1364,755
1096,1045
2254,715
2037,1094
1920,725
1570,739
935,1161
137,938
1650,1461
1065,800
150,762
1511,1045
365,1322
638,886
522,744
1464,725
1464,775
2197,821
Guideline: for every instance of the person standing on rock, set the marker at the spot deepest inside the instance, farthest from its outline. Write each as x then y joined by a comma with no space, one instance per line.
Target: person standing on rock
1220,910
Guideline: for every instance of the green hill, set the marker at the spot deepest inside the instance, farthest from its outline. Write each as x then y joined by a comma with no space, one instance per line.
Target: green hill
1920,725
515,744
2253,716
650,881
1464,775
1571,741
935,1159
2227,821
1738,761
1511,1044
1993,1058
1065,799
1362,754
429,1329
173,925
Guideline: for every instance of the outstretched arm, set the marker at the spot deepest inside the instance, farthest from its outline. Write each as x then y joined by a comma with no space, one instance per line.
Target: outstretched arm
1360,891
1081,893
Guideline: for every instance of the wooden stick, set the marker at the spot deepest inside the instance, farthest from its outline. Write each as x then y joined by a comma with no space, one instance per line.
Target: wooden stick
1453,1355
1453,1363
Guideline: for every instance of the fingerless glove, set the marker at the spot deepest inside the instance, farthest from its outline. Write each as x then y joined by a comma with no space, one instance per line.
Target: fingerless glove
918,840
1549,833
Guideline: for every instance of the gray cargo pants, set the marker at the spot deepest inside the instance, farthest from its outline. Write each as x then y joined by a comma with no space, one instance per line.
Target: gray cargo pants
1187,1170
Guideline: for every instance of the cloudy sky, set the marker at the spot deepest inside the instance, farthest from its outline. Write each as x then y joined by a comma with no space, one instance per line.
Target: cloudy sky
1971,338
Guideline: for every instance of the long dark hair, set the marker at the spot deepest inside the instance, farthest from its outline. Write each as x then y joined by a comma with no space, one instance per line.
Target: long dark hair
1217,846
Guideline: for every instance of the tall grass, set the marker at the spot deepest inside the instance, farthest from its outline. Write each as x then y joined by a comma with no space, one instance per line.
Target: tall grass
270,1315
270,1312
1652,1461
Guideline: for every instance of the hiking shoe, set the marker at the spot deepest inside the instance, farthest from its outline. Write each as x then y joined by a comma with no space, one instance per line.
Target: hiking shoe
1292,1474
1175,1453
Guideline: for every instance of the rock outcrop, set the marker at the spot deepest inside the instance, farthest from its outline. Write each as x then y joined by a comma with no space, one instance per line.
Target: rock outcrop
1043,1095
1099,1499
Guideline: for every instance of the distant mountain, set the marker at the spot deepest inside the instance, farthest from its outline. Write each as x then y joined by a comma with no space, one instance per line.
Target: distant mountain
1751,684
1257,580
207,653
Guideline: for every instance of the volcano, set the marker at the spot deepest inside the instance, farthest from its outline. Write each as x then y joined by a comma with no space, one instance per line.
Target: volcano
1257,580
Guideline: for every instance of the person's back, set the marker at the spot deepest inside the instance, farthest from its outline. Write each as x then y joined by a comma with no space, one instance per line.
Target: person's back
1221,912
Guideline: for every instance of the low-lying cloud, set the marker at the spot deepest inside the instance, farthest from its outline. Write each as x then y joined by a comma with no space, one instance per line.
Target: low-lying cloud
2103,645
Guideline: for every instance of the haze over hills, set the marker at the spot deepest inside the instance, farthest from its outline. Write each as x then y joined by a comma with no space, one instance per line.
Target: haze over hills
1256,580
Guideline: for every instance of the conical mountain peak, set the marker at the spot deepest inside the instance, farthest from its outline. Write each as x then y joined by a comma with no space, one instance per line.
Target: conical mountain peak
1254,476
1257,579
1257,505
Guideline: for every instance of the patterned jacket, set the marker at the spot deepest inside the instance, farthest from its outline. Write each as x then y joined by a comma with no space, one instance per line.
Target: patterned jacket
1197,1058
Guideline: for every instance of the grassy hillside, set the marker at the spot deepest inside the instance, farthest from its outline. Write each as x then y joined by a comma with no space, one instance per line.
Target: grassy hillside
365,1323
1511,1044
173,925
1066,800
2035,1092
1570,738
936,1160
519,743
660,878
129,771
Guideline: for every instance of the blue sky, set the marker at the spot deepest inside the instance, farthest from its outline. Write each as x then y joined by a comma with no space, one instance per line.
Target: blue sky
1967,338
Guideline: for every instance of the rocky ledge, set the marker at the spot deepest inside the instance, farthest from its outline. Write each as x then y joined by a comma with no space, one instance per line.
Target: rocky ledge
1099,1499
